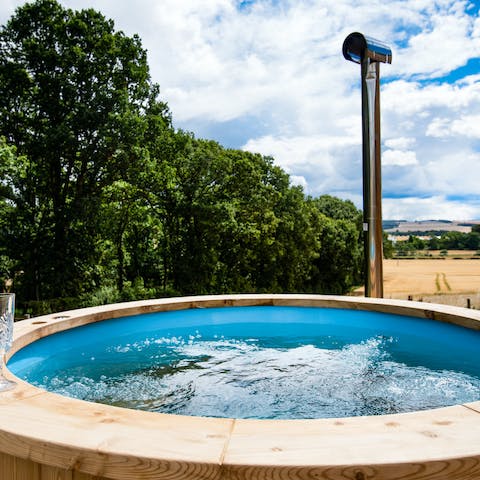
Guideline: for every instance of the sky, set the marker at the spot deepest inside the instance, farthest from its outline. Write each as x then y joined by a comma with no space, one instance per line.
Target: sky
269,76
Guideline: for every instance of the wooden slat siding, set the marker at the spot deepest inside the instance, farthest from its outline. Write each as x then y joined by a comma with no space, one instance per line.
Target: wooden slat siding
20,469
26,469
7,466
55,437
455,469
85,476
54,473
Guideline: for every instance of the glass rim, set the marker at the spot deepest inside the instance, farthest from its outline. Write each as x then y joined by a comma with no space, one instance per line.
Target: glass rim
7,299
7,295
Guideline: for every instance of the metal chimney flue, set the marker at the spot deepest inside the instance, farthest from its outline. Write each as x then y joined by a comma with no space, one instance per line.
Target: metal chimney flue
369,53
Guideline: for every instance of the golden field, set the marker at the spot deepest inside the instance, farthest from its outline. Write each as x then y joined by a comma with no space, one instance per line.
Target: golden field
431,276
437,280
452,280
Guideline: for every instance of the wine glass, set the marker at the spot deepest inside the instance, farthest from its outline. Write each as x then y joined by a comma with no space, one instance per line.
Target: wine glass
7,312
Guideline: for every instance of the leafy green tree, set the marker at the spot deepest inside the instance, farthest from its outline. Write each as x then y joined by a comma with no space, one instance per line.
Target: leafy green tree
8,159
102,200
338,266
416,243
338,209
388,247
472,241
216,208
72,95
340,259
257,188
231,221
434,243
452,241
297,243
339,263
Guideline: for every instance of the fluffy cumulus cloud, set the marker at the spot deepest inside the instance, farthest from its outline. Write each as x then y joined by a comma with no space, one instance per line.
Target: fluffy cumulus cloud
269,76
399,157
467,126
439,47
429,208
321,163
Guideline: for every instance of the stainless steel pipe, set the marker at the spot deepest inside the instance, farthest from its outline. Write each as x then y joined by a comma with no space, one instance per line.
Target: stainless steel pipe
369,53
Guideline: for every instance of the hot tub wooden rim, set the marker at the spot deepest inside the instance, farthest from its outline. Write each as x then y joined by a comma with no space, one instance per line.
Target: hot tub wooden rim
119,443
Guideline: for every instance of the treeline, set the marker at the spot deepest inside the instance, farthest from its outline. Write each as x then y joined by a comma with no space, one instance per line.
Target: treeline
456,240
451,240
102,200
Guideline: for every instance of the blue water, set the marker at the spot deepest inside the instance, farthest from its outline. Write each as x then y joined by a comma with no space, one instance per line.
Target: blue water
260,362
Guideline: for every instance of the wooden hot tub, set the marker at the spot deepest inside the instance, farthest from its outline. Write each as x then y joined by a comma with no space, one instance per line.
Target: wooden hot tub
44,436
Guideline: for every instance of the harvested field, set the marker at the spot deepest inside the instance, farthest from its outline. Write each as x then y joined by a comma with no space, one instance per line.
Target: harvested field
448,281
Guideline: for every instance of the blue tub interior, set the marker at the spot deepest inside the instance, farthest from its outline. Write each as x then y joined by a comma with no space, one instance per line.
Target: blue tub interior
251,357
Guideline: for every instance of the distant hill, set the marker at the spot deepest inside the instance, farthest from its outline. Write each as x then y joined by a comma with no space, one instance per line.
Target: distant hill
404,226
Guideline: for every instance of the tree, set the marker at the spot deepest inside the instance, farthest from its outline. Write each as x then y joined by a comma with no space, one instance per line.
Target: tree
388,247
217,208
472,240
416,242
338,209
434,243
8,159
452,240
73,93
339,263
340,258
100,196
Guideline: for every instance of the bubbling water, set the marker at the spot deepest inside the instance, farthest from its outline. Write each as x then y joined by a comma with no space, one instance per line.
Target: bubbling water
265,377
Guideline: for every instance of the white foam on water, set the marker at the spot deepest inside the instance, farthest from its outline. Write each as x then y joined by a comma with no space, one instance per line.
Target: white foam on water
243,379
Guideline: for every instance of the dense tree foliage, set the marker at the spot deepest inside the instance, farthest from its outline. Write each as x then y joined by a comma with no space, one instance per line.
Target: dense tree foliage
457,241
451,240
101,199
71,92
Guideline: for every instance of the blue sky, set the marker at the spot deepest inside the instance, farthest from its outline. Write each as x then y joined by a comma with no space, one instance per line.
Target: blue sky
269,76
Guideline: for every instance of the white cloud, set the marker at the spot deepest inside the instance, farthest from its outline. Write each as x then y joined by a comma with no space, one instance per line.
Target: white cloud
321,161
399,157
436,207
466,125
299,180
400,143
441,120
439,127
453,173
412,98
275,70
440,46
292,151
